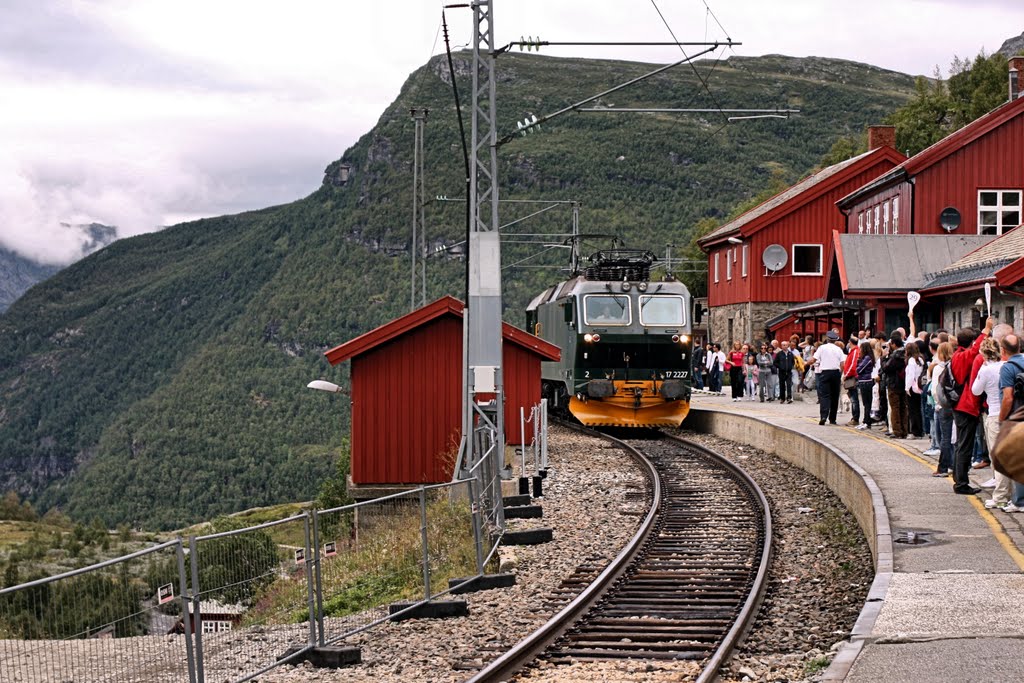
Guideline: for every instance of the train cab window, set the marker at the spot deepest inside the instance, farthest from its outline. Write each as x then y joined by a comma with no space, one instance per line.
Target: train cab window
606,309
661,310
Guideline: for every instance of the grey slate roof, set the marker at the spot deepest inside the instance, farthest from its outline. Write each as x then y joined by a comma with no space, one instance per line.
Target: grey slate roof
983,262
902,262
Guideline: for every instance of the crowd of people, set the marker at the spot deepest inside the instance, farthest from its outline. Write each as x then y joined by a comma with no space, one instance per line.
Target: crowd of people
954,389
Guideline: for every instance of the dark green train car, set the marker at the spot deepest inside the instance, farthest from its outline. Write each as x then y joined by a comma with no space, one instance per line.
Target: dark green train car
625,341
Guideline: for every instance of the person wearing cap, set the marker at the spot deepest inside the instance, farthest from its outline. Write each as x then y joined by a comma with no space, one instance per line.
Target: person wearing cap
828,363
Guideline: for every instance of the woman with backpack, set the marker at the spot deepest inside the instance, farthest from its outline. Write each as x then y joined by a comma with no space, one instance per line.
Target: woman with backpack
866,380
915,388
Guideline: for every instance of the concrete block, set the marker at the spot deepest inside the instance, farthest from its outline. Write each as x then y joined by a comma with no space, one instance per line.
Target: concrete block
524,512
527,537
435,609
482,583
515,501
327,657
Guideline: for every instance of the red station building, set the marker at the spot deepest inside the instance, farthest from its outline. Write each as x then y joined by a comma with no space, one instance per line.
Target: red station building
774,256
406,379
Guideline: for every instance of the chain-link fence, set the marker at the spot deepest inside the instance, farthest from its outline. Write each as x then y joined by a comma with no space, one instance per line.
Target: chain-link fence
230,605
252,598
120,620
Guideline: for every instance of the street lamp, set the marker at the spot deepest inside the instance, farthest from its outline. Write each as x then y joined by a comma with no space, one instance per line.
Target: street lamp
323,385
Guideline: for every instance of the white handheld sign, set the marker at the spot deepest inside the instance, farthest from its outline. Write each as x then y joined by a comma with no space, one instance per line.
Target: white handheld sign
912,299
988,298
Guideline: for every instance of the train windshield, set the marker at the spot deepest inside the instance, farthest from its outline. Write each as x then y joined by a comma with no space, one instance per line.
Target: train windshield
661,310
606,309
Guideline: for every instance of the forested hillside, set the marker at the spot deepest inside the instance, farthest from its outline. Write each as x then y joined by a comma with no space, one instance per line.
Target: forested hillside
161,380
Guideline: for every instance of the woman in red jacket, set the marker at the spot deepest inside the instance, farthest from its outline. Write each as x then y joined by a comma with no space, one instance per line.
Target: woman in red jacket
734,361
850,378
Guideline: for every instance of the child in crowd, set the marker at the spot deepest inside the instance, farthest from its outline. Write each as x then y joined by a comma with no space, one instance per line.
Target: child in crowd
750,375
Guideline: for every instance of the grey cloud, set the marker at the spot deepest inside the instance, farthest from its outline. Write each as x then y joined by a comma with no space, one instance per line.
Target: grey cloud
47,37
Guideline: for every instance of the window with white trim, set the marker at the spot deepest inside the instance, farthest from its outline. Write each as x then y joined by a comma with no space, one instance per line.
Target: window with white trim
807,259
895,215
717,254
728,264
860,222
998,211
215,626
746,257
877,212
885,218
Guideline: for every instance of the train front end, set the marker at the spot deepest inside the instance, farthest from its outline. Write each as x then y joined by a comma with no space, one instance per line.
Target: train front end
626,344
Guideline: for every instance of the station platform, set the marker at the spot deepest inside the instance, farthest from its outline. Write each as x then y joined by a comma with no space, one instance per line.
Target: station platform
947,603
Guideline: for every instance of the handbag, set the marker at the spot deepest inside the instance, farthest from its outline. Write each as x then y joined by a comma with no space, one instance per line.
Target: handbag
1008,454
849,383
810,380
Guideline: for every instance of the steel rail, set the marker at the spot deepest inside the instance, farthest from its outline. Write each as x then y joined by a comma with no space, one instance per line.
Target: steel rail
537,642
745,619
529,647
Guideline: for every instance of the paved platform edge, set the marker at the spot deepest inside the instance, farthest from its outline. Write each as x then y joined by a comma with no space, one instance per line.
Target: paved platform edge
854,486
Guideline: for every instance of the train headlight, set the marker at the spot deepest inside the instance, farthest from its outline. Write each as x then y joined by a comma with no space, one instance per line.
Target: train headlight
625,286
684,338
642,286
597,337
675,338
680,338
588,337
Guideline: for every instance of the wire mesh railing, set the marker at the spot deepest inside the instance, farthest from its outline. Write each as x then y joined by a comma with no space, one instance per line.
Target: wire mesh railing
119,620
231,605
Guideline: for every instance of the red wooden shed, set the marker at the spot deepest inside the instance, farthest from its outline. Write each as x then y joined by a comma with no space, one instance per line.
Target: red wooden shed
406,393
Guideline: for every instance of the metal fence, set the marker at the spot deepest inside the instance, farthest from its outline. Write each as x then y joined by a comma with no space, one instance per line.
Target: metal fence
117,620
229,606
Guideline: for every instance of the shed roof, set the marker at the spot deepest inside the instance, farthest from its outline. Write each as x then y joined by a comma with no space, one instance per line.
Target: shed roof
880,263
792,198
446,305
932,155
982,264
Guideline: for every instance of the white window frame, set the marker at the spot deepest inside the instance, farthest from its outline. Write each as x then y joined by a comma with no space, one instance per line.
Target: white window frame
728,264
746,257
216,626
601,323
885,217
895,215
877,211
860,222
717,254
999,208
682,308
821,258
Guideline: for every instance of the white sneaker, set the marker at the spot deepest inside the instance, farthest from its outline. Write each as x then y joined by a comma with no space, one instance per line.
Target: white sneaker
934,452
862,426
991,503
1010,507
990,484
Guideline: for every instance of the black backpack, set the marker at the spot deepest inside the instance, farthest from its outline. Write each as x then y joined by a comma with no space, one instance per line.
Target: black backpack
949,390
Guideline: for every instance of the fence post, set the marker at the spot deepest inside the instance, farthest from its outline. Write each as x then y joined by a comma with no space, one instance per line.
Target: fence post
426,546
474,506
185,617
197,622
319,581
544,434
309,578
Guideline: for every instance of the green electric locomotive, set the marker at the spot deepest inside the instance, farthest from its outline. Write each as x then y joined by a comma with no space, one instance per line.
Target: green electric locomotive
625,340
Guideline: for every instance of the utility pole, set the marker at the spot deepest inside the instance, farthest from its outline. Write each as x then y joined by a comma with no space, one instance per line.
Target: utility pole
419,117
483,434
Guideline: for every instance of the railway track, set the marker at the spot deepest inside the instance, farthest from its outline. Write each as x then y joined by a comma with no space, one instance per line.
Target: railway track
688,584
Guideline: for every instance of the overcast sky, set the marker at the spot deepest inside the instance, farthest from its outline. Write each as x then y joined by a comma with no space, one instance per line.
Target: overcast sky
144,113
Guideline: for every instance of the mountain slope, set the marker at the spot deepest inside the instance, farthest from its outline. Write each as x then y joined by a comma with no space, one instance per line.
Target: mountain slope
161,380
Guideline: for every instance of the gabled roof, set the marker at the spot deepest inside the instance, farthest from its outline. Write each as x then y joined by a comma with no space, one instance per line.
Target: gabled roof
984,263
898,263
798,195
932,155
446,305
